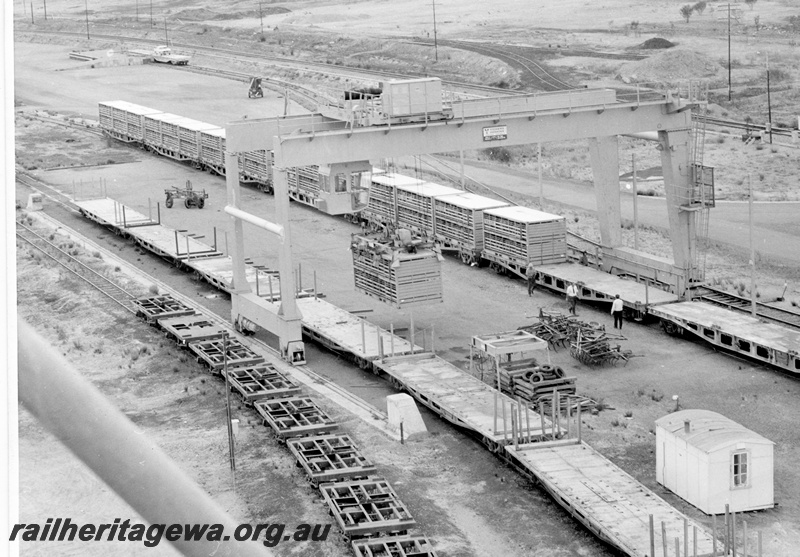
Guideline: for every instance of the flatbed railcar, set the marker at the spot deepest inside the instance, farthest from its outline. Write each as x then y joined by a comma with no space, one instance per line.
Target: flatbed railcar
330,460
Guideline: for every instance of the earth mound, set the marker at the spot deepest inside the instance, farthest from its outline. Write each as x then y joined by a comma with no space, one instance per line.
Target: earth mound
656,43
671,65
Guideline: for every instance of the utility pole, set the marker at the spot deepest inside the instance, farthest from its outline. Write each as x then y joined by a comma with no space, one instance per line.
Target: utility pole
635,205
752,251
151,13
229,415
86,3
769,103
435,42
729,51
45,18
541,185
32,22
261,17
137,11
166,36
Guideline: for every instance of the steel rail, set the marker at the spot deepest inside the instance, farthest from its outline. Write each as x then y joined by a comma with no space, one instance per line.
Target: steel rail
227,54
105,286
733,302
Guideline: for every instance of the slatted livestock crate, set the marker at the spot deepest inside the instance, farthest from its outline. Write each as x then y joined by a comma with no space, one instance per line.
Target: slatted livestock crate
303,183
212,150
458,222
123,120
161,134
382,204
256,167
515,236
398,274
415,208
189,139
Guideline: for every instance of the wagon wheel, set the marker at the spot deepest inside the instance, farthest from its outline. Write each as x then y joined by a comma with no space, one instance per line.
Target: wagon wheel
201,202
187,202
168,202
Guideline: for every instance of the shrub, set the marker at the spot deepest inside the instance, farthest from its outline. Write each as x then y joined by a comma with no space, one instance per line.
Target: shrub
656,396
628,414
153,289
615,422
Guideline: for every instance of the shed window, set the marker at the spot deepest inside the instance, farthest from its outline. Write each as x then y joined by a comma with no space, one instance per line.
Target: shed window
726,340
741,469
762,351
708,333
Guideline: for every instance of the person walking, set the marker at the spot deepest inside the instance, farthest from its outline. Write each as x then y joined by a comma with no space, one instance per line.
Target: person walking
616,311
531,274
572,297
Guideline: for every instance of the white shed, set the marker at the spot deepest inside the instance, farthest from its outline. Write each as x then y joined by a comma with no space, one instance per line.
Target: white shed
710,461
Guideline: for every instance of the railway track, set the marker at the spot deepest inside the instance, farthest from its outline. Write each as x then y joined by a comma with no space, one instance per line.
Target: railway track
785,132
280,61
733,302
111,290
536,73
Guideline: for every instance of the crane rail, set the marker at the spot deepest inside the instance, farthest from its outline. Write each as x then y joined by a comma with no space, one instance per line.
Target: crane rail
733,302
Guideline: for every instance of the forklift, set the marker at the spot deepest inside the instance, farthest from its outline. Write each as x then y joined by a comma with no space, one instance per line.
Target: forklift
255,91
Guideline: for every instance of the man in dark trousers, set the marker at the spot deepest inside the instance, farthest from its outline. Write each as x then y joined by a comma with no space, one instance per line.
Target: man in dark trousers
531,274
616,311
572,297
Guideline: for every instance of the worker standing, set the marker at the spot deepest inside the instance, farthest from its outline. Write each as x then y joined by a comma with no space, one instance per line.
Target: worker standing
616,311
572,297
531,274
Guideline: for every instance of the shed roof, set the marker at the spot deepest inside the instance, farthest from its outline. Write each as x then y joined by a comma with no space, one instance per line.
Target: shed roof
709,431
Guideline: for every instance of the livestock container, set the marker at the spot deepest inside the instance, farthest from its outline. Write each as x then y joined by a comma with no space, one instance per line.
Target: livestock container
256,166
161,134
515,236
189,139
382,204
212,149
458,222
395,274
124,120
415,205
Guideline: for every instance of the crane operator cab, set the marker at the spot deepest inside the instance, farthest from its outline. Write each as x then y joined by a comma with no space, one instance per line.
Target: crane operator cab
344,187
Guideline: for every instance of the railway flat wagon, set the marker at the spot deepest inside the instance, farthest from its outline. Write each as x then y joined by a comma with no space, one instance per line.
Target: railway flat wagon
458,223
123,120
515,236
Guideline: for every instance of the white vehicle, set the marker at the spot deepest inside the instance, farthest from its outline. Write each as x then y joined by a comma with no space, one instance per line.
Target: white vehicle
164,55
